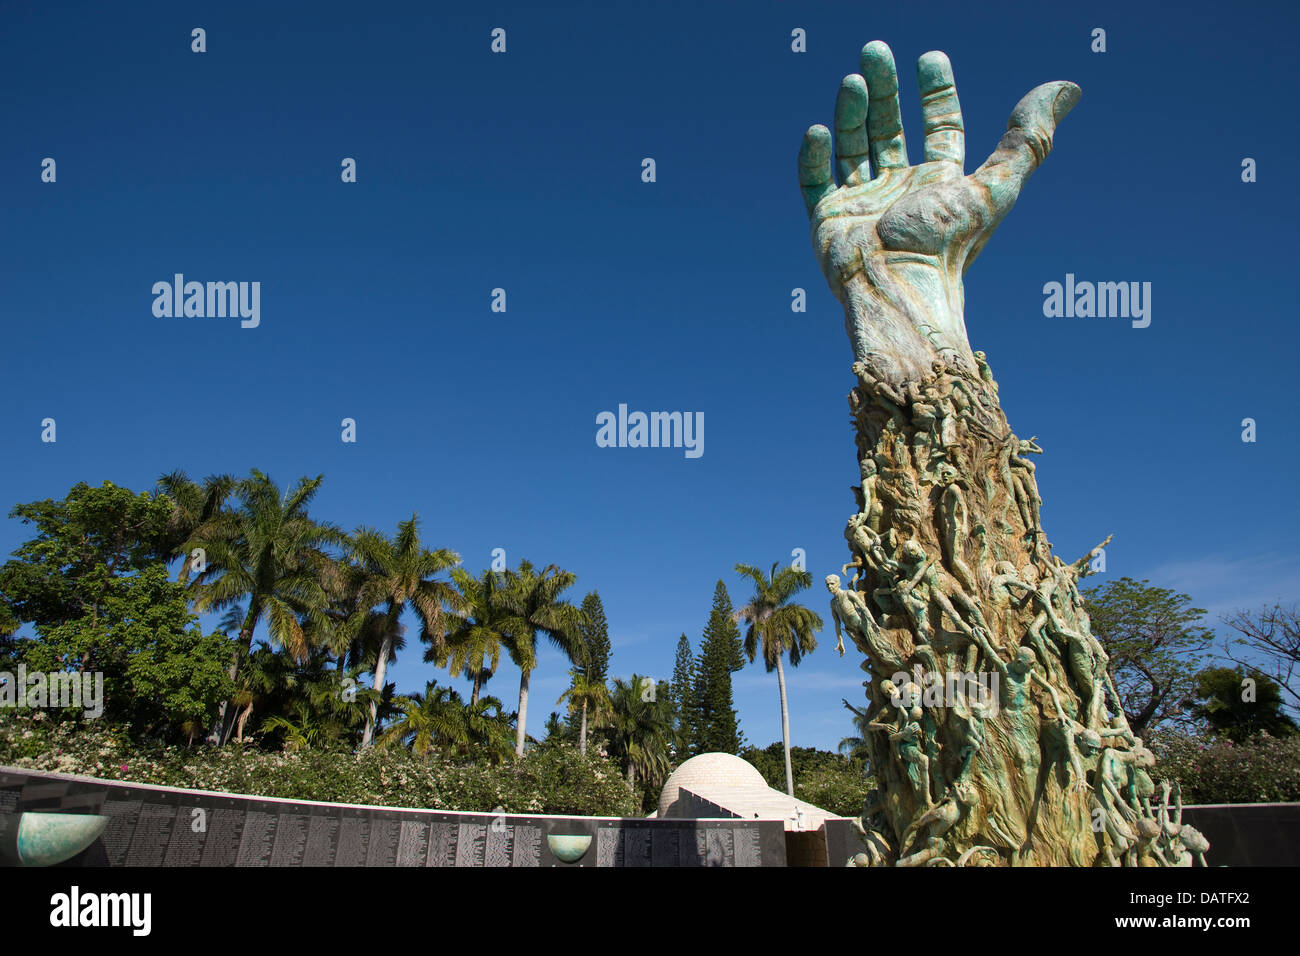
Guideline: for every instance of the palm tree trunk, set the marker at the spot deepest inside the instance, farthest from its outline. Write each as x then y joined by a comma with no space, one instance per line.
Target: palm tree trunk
523,712
221,730
582,732
785,727
478,683
242,721
381,668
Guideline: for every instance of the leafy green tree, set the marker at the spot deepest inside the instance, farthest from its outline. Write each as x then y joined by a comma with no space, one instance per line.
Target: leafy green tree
394,574
83,542
770,761
536,608
1240,706
1155,643
8,643
8,620
834,782
716,728
1261,769
163,678
269,553
777,628
93,582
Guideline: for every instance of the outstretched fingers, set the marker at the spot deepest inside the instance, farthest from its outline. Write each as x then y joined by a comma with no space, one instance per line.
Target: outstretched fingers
884,115
815,166
945,134
851,144
1026,143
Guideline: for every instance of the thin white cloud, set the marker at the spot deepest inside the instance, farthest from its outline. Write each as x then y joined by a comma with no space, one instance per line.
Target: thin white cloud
1224,585
799,680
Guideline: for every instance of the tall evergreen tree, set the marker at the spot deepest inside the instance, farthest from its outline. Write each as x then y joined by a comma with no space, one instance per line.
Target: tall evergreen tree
595,634
682,691
716,729
594,670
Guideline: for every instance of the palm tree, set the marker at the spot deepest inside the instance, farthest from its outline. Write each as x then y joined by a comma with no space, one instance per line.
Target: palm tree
488,725
587,694
857,748
302,727
263,673
424,721
193,504
534,606
312,693
335,630
268,552
473,647
440,718
640,727
555,729
778,627
396,573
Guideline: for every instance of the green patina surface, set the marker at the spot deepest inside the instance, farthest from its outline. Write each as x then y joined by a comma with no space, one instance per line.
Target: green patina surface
45,839
951,571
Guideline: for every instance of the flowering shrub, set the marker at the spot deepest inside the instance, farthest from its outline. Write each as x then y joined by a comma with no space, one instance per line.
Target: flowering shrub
545,780
840,790
1263,770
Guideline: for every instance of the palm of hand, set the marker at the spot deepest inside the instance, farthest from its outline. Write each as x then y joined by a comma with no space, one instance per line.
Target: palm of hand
894,245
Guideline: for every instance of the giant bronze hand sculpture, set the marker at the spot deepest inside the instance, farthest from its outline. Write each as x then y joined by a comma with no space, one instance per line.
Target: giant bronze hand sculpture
894,245
956,589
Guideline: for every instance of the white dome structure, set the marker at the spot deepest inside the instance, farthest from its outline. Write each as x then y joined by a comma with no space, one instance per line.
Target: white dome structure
723,785
707,774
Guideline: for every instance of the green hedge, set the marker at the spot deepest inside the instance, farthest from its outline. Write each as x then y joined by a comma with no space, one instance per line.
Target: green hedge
546,780
825,779
1263,770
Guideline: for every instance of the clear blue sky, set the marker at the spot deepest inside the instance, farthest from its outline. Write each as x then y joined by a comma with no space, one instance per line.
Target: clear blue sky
523,171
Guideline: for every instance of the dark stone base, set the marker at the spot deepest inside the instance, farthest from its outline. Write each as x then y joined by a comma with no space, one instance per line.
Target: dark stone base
161,826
